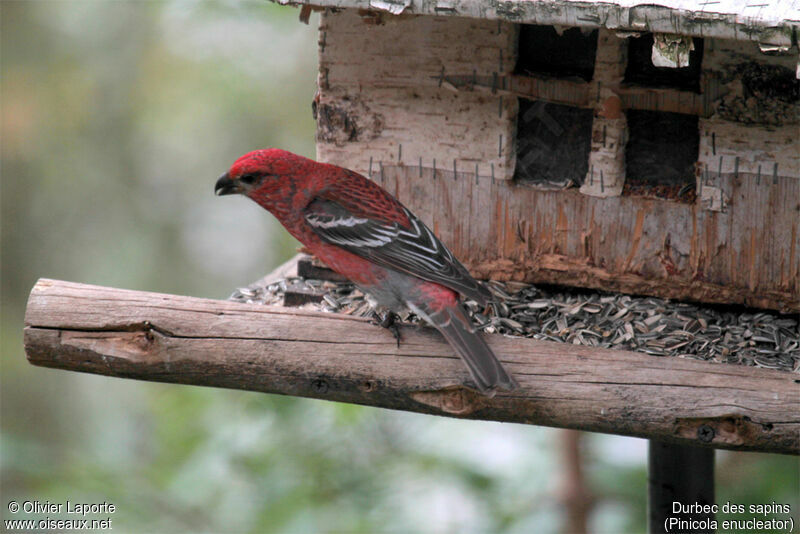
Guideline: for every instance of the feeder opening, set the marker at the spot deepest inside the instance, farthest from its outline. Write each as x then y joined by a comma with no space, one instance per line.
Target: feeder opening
660,155
641,71
570,54
553,143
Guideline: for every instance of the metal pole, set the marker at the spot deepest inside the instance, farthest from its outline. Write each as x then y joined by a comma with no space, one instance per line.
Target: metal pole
684,475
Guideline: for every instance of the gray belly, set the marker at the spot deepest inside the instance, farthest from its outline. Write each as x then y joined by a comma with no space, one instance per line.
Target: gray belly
385,298
392,296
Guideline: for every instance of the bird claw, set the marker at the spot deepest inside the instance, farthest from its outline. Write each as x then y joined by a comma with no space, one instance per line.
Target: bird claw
388,320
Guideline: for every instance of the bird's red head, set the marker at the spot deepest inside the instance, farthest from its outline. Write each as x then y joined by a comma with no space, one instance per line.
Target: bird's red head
268,176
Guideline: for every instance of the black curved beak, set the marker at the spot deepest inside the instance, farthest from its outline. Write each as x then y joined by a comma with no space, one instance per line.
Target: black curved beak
226,186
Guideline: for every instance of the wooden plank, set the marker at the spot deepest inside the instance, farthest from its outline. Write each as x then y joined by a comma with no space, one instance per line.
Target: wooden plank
577,93
728,147
548,89
170,338
768,22
394,92
609,127
630,244
408,49
480,218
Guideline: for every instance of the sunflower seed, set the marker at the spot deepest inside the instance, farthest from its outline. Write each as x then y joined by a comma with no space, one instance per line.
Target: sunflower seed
650,325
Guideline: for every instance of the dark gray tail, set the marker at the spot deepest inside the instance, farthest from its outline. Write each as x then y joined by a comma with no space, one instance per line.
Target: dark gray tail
483,365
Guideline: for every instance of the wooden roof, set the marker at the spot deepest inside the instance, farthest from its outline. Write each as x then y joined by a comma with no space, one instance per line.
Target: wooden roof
773,23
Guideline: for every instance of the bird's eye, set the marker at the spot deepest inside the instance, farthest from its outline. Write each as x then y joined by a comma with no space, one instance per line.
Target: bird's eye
248,179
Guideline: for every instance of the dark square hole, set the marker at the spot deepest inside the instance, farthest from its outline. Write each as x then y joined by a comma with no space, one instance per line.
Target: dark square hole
641,71
660,155
553,143
543,51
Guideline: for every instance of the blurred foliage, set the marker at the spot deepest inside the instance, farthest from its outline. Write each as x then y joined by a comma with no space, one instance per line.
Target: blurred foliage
117,117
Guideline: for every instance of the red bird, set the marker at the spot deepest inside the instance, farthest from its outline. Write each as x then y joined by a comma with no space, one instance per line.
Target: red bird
365,234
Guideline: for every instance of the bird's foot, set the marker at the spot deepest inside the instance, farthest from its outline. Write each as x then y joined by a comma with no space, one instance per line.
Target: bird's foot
388,320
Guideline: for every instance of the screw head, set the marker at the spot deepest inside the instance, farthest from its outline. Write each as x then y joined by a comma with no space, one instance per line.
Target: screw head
319,386
705,433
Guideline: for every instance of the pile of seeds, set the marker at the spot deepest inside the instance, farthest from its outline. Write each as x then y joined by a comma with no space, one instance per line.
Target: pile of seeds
644,324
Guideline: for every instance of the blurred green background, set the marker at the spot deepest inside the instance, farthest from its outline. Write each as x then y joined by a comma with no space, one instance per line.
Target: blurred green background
117,117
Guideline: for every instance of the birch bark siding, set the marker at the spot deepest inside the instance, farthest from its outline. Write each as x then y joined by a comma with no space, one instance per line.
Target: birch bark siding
383,81
606,175
772,23
630,244
427,107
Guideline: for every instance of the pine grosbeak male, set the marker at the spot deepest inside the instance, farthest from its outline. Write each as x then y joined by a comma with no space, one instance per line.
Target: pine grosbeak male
365,234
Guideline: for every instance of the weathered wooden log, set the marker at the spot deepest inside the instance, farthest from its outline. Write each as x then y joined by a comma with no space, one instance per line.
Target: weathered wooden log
188,340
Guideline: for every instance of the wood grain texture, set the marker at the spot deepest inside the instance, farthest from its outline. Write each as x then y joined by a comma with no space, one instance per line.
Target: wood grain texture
772,22
384,93
406,99
187,340
606,175
747,254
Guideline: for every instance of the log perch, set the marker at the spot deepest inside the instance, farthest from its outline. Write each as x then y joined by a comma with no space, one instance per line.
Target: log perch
186,340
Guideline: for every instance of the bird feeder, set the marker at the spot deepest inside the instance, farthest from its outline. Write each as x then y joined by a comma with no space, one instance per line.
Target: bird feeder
646,149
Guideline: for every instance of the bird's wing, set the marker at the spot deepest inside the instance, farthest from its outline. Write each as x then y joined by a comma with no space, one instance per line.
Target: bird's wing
413,249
